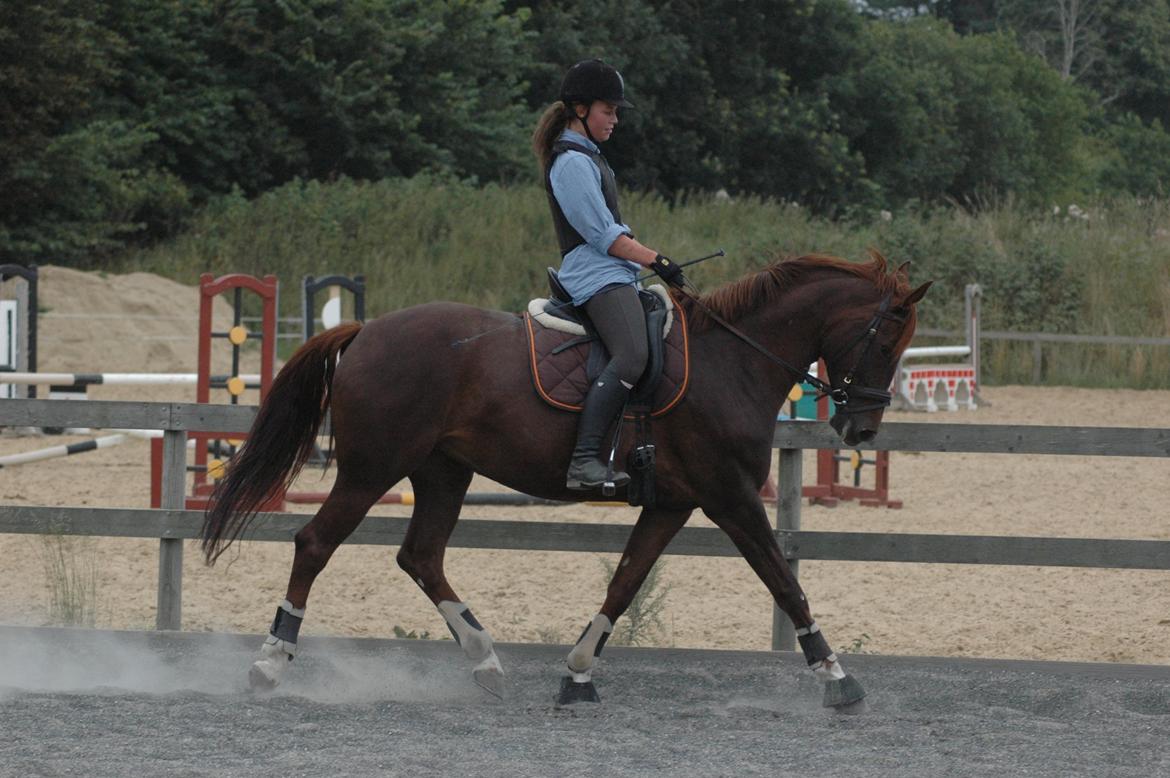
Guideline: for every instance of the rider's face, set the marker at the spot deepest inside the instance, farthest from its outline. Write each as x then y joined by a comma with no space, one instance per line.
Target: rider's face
602,117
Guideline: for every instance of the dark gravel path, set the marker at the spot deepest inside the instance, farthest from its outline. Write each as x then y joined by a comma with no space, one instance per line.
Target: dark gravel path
98,703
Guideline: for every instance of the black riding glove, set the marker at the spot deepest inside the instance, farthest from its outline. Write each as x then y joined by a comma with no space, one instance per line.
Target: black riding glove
668,271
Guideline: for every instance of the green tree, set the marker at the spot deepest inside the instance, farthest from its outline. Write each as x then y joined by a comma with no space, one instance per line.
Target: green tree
901,111
661,144
1136,76
119,117
461,74
777,130
69,181
1136,158
372,88
938,115
1120,49
729,93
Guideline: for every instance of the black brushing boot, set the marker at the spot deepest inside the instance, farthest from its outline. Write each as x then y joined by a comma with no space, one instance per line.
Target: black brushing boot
605,400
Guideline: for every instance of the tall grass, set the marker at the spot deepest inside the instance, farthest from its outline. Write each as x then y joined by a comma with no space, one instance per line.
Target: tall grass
642,623
431,238
70,567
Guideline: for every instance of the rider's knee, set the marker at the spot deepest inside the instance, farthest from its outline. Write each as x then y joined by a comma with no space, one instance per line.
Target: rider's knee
630,366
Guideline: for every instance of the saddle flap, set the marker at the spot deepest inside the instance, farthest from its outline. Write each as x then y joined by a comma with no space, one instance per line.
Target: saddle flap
644,391
559,360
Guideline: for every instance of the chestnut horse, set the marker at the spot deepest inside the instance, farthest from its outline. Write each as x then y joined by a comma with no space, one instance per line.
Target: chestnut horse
440,391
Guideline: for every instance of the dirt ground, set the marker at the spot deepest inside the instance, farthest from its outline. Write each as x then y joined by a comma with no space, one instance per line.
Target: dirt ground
886,608
88,702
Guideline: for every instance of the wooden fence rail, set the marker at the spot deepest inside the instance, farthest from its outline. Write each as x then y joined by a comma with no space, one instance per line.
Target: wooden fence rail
172,525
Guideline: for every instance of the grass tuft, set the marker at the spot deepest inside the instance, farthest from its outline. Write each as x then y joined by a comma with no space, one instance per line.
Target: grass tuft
70,566
642,624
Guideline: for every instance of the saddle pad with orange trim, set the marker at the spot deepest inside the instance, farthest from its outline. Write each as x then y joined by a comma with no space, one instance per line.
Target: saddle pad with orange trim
562,381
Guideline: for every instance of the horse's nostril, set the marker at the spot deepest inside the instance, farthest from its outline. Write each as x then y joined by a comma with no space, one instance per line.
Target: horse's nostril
867,435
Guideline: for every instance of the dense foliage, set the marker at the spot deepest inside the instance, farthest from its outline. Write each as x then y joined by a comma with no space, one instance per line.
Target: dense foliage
120,120
1096,270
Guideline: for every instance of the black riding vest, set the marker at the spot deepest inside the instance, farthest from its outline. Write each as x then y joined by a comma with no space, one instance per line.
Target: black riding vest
567,237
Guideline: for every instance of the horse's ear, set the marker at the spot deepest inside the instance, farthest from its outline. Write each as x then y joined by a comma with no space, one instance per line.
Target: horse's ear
916,295
903,269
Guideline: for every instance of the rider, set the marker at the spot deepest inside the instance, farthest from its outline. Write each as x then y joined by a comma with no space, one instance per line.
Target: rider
600,257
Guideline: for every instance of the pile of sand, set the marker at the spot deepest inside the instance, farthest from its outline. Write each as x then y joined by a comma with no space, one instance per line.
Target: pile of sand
132,323
138,322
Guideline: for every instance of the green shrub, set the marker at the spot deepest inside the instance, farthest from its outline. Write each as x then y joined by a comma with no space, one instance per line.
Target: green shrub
1100,268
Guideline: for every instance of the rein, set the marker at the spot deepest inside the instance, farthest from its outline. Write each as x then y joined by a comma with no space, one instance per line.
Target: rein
840,395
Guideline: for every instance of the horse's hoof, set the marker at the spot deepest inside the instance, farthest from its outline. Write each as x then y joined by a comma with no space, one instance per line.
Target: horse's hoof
491,680
852,708
843,693
573,692
260,677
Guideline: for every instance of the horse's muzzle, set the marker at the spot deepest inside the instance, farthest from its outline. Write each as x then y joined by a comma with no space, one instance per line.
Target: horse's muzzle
855,428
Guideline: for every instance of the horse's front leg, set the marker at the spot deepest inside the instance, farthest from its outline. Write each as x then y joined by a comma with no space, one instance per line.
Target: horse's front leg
747,526
652,532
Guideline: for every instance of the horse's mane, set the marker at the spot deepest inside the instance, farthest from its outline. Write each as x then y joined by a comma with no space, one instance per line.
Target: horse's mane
734,299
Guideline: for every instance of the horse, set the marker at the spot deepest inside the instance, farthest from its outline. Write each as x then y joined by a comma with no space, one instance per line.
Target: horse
439,391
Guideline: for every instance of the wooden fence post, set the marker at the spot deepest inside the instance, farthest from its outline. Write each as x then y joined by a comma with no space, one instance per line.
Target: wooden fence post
788,482
169,614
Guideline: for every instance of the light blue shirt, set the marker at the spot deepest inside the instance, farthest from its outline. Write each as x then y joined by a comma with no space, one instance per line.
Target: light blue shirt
576,184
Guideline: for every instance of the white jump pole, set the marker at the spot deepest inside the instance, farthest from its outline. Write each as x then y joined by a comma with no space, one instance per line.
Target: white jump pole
936,351
138,434
113,379
52,452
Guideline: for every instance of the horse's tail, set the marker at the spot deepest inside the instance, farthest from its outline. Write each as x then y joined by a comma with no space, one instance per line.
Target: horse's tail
280,442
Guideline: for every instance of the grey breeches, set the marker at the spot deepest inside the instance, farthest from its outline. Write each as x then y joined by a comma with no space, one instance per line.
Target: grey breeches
617,314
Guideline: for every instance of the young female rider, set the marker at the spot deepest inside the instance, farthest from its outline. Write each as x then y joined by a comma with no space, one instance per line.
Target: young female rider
600,257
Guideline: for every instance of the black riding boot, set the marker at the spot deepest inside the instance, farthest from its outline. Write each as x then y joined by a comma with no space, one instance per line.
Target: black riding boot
605,400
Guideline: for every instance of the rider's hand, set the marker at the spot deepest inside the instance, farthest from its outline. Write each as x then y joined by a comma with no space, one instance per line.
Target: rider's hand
668,271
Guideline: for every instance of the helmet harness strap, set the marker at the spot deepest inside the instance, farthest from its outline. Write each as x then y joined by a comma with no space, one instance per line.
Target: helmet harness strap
585,120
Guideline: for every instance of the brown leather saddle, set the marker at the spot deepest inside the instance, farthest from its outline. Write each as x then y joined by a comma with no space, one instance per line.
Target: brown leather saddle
565,354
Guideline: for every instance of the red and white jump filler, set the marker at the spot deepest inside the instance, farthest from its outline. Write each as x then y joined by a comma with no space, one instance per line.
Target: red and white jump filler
948,386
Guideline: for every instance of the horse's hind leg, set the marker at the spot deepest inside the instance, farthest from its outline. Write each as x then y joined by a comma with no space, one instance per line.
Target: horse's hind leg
340,514
747,526
650,536
439,487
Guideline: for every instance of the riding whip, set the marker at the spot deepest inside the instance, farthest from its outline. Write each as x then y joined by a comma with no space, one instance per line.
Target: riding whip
688,263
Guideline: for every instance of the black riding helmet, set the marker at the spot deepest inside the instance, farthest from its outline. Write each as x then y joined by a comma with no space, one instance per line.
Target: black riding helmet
592,79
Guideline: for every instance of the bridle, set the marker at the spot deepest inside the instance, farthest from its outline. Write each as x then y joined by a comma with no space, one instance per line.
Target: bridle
879,398
847,397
